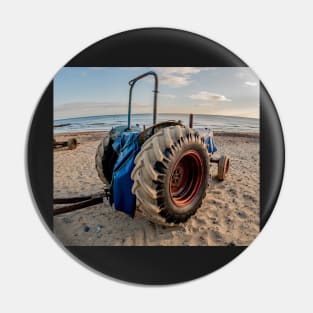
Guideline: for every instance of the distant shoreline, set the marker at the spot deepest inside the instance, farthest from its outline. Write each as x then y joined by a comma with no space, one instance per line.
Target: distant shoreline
106,123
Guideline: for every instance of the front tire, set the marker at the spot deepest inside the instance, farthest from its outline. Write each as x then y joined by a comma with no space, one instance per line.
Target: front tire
170,175
223,167
105,159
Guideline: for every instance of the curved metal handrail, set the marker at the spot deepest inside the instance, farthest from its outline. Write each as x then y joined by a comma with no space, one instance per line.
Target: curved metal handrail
155,91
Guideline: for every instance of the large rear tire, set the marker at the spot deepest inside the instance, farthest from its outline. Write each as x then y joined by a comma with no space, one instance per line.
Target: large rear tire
170,175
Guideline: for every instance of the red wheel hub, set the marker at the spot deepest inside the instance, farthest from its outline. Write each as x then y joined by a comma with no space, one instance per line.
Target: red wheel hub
186,178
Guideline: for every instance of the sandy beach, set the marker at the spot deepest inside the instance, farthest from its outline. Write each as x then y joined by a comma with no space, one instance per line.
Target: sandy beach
229,214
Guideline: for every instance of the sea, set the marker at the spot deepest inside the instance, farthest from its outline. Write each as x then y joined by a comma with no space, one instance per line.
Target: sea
107,122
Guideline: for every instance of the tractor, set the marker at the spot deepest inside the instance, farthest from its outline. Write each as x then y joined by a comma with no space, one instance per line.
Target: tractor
163,170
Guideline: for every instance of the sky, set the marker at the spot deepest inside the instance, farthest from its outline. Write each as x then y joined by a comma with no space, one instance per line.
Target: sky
89,91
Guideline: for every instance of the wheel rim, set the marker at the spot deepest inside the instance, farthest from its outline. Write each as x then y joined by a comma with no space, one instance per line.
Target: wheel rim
186,178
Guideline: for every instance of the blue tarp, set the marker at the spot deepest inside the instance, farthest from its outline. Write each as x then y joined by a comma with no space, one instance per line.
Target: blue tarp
211,144
127,148
207,134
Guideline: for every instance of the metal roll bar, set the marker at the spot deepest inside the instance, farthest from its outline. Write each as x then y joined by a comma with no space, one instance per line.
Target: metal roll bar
155,91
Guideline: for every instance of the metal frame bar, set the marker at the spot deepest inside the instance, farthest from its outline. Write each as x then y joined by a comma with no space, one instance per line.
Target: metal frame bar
77,203
132,83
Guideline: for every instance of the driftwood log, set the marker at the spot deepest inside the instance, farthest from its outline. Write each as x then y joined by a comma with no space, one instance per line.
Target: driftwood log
71,144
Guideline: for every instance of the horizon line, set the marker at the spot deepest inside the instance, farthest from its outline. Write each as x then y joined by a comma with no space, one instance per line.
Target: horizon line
66,118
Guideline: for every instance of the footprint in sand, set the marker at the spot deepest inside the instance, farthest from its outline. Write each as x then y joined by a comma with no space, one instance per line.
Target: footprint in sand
216,192
249,197
215,236
232,191
241,214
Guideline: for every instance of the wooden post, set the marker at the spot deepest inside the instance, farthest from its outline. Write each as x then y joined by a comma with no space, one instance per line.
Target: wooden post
190,120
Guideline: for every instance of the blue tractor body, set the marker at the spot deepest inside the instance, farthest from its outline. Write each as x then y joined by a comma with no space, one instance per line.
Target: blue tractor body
162,170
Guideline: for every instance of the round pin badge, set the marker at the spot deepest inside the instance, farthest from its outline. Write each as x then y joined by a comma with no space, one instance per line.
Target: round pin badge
155,156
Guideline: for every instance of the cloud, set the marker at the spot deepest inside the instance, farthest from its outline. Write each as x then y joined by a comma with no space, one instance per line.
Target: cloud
179,70
177,76
175,81
208,96
253,84
247,76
